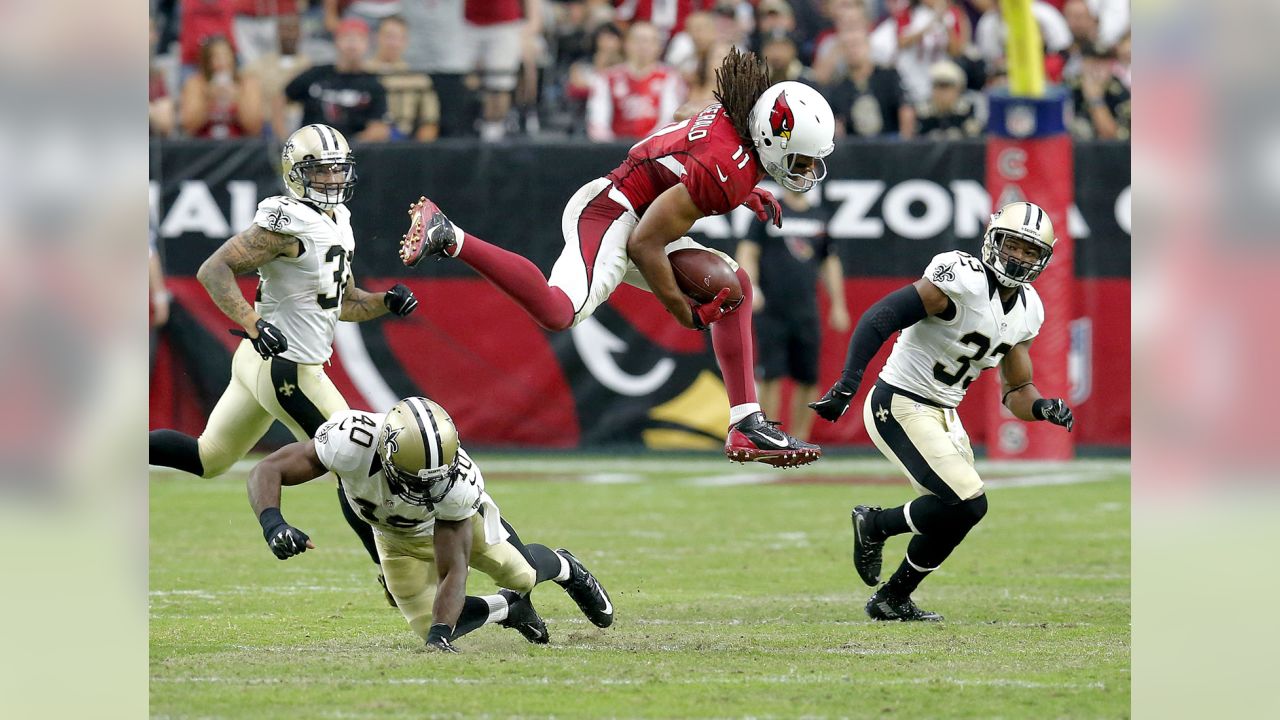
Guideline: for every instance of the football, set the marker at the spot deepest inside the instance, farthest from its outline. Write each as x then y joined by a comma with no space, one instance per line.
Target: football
701,275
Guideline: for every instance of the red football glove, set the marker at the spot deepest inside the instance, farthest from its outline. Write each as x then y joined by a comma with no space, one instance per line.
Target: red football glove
765,206
709,312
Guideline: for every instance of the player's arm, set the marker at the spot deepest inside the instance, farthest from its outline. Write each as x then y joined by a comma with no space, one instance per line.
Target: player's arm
292,464
360,305
452,542
1020,395
246,252
896,311
668,218
748,257
833,278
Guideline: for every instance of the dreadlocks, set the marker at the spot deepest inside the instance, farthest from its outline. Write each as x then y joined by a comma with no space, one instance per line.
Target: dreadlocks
741,79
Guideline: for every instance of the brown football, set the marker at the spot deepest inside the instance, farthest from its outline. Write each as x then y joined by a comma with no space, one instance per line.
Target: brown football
701,275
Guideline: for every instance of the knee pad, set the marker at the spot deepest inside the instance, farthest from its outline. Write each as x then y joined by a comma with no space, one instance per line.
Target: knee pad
972,511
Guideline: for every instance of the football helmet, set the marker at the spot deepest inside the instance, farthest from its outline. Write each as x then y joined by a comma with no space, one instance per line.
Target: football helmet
312,156
788,121
418,448
1023,221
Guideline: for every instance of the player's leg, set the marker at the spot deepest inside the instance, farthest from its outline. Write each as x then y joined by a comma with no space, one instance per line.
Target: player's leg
803,344
303,398
236,424
924,442
559,566
772,361
511,567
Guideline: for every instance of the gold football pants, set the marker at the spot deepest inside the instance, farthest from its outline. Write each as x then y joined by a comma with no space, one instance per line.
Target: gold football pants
927,443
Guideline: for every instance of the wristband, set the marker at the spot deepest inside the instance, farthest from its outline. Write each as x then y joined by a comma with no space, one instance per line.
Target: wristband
1038,408
270,519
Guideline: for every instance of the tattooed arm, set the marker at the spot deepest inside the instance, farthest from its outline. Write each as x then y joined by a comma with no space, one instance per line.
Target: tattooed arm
247,251
360,305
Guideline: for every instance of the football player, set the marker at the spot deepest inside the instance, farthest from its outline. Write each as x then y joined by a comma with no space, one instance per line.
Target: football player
301,245
964,316
424,496
620,228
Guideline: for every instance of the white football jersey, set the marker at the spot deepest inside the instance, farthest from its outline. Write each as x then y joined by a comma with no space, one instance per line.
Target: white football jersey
938,359
347,445
303,296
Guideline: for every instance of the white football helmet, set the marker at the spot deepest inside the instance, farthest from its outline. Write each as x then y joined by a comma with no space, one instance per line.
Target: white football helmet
1024,221
789,120
418,448
309,149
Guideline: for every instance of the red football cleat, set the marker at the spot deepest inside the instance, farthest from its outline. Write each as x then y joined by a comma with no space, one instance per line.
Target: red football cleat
755,439
430,233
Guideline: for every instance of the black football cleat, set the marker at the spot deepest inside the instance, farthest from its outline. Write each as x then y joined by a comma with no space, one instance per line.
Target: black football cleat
391,599
756,439
522,618
868,546
883,606
430,233
586,591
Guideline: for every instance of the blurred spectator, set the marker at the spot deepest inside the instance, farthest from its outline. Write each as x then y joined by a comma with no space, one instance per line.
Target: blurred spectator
157,290
160,112
411,99
667,16
702,88
606,52
219,101
688,49
775,18
1084,32
372,12
255,27
199,20
785,264
276,69
869,100
1124,56
572,28
436,26
848,17
344,95
952,112
991,36
735,22
496,36
632,99
926,31
1100,99
1113,20
782,58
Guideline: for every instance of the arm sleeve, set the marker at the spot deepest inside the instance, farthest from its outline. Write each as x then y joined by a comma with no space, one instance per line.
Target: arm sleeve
899,309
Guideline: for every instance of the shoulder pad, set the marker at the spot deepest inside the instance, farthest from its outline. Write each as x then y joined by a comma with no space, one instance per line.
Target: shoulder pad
464,497
341,442
958,274
1035,310
280,214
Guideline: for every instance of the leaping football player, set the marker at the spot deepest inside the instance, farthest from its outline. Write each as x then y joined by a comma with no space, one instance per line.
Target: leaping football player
301,245
620,228
407,473
964,316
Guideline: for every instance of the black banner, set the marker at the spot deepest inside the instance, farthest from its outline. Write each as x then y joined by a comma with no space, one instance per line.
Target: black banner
895,204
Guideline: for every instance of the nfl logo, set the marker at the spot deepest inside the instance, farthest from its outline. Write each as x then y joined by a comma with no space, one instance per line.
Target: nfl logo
1020,120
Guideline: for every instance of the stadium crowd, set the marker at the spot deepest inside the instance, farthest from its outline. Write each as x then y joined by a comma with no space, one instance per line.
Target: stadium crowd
406,70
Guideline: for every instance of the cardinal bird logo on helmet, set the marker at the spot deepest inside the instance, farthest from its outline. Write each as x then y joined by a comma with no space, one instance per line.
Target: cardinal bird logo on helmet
781,119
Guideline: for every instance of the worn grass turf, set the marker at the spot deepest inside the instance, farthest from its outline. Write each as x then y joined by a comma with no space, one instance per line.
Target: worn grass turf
734,597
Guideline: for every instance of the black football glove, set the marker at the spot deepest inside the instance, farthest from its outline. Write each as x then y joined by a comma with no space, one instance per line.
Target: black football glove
833,405
1054,410
270,341
438,639
400,300
284,539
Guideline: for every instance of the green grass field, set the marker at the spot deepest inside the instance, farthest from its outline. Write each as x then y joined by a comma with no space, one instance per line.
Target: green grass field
734,596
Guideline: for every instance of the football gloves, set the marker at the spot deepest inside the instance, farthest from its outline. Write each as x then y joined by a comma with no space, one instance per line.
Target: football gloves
709,312
438,639
1054,410
765,206
833,405
270,341
400,300
284,539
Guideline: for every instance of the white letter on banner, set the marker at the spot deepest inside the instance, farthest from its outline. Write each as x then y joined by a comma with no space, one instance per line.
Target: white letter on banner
896,209
855,197
973,207
194,210
244,205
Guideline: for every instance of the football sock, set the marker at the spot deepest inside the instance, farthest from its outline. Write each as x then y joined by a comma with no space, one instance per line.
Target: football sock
891,521
731,340
170,448
548,563
479,611
924,555
521,281
738,413
362,529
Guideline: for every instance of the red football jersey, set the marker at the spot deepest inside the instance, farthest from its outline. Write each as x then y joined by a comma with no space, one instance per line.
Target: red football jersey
623,106
704,152
492,12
